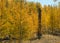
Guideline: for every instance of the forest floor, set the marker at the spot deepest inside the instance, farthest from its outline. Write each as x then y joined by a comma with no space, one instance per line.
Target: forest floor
44,39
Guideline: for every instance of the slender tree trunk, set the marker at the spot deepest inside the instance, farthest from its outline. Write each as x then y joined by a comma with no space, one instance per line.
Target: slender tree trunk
39,23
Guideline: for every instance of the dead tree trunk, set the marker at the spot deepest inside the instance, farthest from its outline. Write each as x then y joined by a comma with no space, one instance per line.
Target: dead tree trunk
39,34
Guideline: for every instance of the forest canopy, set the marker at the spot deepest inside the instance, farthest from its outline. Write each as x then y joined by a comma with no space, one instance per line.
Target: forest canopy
19,18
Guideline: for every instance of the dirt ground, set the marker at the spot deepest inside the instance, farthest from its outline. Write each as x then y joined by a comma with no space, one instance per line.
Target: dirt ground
44,39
